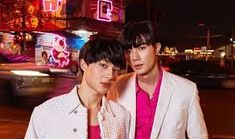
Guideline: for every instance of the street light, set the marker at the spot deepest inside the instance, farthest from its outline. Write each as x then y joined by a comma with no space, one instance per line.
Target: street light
232,48
207,35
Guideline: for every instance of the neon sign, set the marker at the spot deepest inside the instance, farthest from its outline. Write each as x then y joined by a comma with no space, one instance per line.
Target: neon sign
51,5
104,10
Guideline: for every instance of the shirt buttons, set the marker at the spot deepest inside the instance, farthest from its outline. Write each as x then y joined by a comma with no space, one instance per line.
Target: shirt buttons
75,112
75,130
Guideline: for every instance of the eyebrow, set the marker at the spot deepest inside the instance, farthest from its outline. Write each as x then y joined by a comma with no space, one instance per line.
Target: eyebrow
137,45
144,43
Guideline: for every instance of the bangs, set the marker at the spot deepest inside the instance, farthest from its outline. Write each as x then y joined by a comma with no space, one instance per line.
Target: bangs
134,41
135,35
103,49
110,54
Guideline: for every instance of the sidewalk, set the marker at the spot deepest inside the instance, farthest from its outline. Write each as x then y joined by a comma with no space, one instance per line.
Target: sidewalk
13,122
12,129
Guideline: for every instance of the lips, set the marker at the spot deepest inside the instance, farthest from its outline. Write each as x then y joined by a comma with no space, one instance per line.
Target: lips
106,84
137,66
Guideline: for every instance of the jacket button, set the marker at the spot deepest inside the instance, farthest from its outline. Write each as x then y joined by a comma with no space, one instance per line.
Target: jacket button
75,130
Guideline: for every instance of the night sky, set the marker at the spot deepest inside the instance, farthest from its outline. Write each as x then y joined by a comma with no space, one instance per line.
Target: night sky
178,21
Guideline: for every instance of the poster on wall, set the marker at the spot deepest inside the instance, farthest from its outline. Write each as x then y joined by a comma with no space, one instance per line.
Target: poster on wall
57,51
42,48
52,49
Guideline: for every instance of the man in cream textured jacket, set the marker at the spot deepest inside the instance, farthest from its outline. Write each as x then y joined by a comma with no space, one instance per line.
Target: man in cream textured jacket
85,113
162,105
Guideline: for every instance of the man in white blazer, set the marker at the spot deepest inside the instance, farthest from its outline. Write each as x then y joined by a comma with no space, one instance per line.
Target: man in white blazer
162,105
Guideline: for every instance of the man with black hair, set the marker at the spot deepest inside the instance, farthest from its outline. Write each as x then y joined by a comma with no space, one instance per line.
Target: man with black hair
162,105
85,112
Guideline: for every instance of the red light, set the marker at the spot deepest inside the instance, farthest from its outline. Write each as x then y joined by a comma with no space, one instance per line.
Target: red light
50,5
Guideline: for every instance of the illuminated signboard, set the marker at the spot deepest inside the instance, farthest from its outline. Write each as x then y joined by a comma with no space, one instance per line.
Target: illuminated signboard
104,10
51,5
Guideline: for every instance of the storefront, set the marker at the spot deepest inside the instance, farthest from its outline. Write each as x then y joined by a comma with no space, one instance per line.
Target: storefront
61,27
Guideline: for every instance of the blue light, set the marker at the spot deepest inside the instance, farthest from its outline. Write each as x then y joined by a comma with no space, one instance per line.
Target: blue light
76,42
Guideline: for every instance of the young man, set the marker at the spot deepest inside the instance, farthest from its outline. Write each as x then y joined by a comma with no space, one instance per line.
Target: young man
85,112
162,105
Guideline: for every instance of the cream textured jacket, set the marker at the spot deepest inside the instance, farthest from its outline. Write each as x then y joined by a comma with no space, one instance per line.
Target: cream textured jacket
178,110
64,117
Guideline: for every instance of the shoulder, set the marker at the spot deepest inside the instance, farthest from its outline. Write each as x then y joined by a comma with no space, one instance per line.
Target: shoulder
125,77
123,84
183,89
53,105
125,80
118,109
180,81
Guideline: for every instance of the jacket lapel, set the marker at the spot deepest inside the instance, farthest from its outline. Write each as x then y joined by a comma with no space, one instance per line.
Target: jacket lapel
162,106
131,104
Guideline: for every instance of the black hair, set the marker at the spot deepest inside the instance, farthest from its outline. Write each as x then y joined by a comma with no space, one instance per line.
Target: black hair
97,49
44,53
135,34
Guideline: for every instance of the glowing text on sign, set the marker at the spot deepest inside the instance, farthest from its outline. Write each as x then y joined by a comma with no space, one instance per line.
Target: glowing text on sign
104,10
51,5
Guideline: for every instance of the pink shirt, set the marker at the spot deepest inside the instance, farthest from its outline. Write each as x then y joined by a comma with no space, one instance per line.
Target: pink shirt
94,132
145,110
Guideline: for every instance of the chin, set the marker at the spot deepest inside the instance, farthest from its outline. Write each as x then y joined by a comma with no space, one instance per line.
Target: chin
103,92
140,72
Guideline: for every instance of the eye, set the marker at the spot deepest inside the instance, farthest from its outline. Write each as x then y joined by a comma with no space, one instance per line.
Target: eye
128,51
142,47
102,65
116,69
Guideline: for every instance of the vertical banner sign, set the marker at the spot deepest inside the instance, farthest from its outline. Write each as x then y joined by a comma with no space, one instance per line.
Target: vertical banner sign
104,10
51,5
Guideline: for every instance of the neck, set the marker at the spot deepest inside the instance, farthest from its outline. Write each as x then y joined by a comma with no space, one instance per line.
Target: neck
89,98
151,78
148,82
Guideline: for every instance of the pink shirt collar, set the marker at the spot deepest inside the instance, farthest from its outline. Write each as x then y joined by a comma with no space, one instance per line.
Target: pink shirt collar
157,88
145,109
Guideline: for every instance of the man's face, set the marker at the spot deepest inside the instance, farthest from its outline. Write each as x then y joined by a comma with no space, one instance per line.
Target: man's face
143,59
100,76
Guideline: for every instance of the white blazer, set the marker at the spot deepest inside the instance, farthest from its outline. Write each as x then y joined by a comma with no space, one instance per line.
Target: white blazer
64,117
178,109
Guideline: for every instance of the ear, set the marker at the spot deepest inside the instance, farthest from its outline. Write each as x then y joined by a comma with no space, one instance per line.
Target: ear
158,47
83,65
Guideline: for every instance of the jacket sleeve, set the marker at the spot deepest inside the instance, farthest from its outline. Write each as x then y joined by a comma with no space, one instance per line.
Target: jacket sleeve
196,127
31,130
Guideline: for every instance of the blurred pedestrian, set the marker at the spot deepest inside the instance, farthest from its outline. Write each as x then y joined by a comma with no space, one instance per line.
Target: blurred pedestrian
85,112
162,105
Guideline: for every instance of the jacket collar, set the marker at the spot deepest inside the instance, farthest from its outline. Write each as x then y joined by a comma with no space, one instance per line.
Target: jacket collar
74,103
130,100
163,103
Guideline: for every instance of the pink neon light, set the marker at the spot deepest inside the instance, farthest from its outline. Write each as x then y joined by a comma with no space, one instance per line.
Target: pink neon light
59,52
51,5
104,10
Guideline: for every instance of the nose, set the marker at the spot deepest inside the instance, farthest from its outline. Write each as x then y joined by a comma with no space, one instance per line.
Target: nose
134,55
109,74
